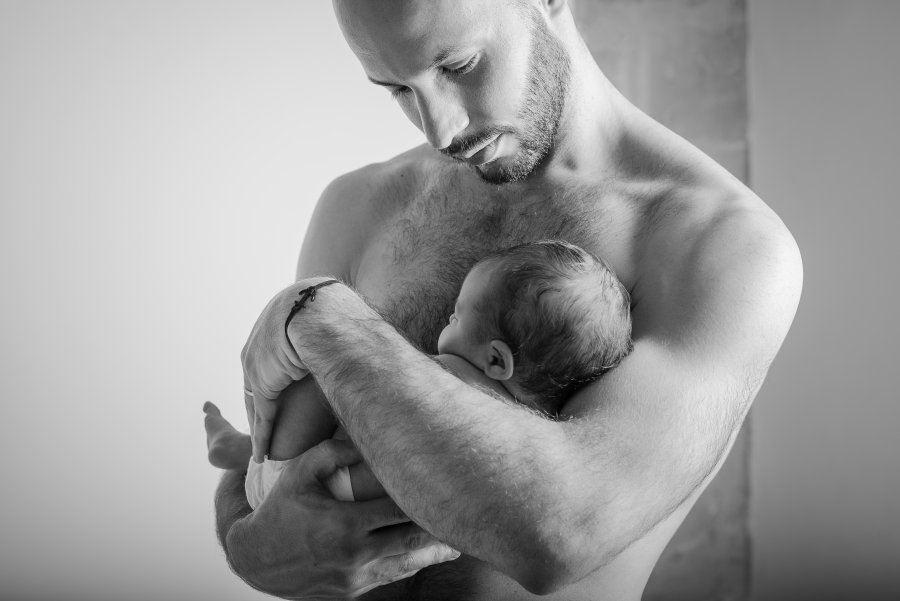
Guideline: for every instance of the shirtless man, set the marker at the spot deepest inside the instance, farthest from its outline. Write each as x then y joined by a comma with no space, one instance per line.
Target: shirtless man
534,142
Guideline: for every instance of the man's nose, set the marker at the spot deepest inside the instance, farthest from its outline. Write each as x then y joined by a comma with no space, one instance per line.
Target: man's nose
442,119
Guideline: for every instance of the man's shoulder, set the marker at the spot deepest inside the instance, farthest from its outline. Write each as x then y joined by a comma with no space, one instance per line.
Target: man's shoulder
695,224
688,202
384,186
357,205
710,218
719,264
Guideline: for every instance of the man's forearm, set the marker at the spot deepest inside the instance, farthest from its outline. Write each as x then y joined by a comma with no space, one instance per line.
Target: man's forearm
487,477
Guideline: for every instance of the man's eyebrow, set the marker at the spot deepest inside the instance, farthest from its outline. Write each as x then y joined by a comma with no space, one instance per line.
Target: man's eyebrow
438,59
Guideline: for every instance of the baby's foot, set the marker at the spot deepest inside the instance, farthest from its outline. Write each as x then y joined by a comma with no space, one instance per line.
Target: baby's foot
228,448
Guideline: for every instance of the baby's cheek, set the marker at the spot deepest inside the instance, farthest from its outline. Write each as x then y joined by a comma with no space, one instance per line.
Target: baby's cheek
444,338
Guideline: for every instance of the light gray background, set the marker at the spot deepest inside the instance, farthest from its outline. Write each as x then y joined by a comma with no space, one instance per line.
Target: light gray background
824,127
158,164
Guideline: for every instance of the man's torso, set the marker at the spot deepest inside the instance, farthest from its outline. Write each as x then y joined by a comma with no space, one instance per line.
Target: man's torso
430,220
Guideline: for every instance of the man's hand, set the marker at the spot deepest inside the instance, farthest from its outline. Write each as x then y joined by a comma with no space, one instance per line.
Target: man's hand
270,365
302,544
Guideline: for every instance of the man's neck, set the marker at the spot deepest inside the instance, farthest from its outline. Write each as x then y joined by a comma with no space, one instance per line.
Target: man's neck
591,125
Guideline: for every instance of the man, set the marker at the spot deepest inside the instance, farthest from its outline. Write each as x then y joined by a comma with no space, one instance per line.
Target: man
534,143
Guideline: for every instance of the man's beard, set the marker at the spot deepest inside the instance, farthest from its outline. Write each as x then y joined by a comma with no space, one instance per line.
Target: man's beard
548,84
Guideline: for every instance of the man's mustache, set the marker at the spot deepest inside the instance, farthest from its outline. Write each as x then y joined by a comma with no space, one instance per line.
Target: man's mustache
464,145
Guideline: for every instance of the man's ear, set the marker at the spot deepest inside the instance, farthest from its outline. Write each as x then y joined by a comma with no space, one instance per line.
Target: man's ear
500,362
552,7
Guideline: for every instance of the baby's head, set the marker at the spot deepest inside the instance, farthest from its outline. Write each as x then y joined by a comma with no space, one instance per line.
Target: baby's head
543,318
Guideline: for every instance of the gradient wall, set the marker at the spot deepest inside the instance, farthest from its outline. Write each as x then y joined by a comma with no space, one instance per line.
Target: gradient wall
158,165
824,95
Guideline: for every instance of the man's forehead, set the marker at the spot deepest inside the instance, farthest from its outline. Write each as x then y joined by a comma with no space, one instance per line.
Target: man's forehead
396,31
413,16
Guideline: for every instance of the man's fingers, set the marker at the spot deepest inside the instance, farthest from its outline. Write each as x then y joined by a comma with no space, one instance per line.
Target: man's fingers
264,421
333,454
379,513
400,539
248,403
321,461
397,567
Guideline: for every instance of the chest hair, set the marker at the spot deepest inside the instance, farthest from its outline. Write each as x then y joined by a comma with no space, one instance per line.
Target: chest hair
414,270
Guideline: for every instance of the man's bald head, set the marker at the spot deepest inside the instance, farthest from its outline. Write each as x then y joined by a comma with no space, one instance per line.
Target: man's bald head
486,82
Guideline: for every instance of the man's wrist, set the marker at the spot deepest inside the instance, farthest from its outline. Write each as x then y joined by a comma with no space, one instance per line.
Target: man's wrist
306,295
293,330
336,314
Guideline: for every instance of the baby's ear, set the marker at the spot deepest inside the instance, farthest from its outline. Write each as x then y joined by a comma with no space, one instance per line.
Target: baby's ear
500,362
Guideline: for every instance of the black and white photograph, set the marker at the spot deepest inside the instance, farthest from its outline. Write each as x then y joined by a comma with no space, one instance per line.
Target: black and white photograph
449,300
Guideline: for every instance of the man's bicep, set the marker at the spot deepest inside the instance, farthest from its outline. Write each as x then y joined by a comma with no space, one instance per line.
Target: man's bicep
659,417
652,432
659,425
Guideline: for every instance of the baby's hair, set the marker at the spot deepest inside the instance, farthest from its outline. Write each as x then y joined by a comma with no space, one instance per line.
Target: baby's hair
563,312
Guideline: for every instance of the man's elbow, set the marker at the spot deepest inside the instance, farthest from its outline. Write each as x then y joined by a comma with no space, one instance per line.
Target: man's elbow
547,568
544,578
545,574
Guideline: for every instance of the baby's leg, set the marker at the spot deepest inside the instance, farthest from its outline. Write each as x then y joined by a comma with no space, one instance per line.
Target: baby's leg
304,420
227,448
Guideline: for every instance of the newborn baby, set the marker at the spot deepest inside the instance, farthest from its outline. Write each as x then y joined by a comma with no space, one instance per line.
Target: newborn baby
532,323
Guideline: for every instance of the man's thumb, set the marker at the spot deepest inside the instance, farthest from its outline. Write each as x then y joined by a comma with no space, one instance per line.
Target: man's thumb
327,457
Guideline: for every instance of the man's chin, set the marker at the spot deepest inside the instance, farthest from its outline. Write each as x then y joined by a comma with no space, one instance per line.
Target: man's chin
505,170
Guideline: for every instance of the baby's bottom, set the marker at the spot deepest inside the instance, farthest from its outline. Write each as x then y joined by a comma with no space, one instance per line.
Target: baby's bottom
231,450
350,483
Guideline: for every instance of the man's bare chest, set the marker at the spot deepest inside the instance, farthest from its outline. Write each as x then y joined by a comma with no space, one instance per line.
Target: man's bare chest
413,269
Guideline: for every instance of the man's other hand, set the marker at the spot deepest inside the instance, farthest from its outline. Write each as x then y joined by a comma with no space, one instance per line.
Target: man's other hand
270,365
302,544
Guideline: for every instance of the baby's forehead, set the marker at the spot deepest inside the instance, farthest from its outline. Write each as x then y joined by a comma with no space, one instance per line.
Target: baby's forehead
479,276
479,285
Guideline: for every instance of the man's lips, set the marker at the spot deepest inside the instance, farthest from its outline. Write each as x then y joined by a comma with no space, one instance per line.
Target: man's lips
480,154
